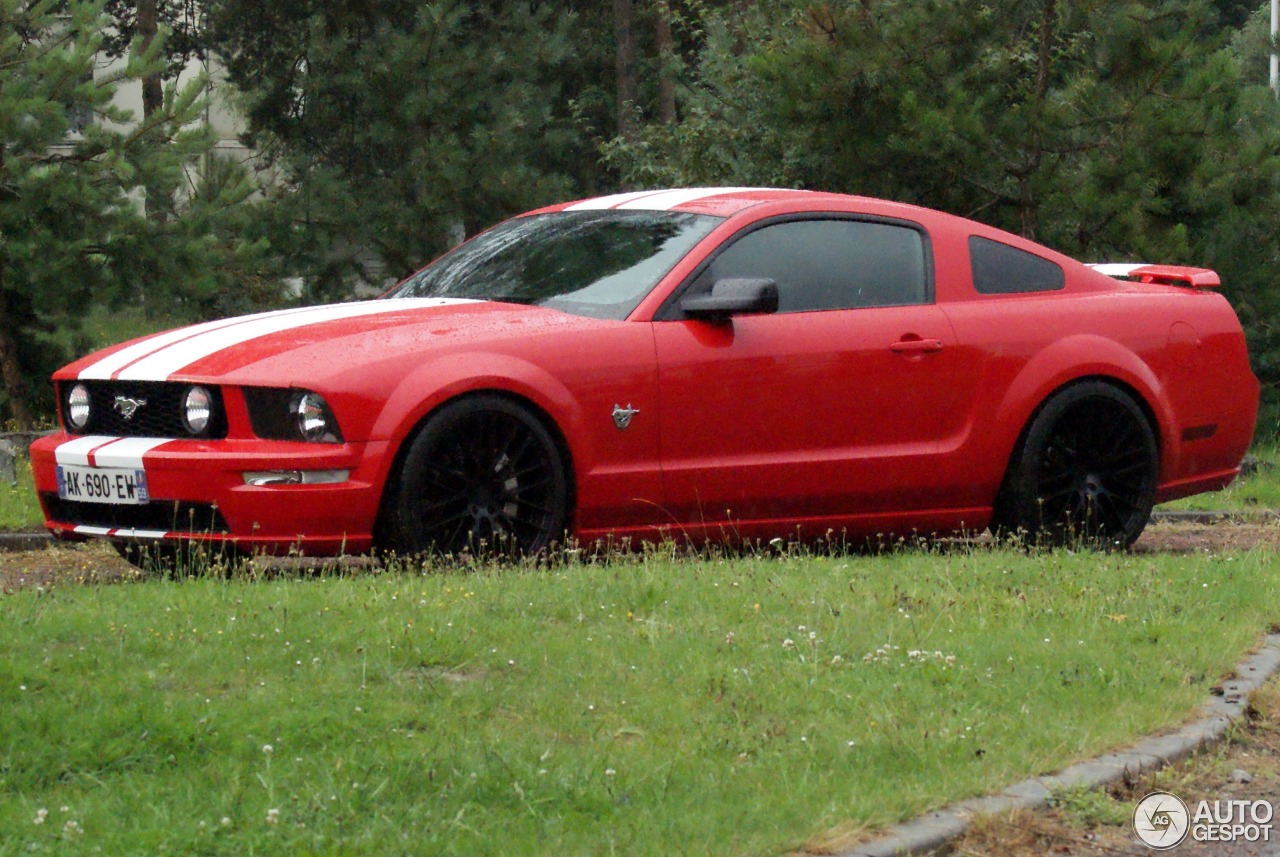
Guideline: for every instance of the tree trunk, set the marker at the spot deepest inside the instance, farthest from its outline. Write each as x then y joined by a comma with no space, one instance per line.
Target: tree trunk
666,58
1030,213
148,25
625,43
156,203
15,385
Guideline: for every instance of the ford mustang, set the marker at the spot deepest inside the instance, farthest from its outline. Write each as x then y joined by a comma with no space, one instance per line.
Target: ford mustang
720,363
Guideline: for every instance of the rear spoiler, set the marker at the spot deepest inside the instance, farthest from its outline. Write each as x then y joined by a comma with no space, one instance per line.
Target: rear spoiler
1164,275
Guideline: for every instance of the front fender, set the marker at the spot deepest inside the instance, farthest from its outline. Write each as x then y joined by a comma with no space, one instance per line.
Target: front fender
448,376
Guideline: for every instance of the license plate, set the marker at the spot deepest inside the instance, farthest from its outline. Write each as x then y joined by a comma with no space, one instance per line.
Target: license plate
117,485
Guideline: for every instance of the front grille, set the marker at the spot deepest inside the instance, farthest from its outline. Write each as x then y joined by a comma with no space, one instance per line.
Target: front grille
160,416
171,516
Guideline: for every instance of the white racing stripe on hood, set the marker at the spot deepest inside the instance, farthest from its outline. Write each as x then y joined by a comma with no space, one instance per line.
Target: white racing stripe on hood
103,369
157,359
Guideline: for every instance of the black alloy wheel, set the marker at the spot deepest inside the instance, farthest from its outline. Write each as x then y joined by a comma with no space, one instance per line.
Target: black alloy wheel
484,475
1085,473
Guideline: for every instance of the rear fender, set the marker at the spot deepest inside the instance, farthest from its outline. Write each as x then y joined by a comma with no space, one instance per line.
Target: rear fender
1076,358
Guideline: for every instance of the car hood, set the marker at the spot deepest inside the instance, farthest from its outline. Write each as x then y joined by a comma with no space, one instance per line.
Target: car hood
302,347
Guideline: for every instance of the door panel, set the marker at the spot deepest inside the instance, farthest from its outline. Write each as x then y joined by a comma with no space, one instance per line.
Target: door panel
803,414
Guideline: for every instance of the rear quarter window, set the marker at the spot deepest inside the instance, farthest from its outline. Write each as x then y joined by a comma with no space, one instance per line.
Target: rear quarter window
999,269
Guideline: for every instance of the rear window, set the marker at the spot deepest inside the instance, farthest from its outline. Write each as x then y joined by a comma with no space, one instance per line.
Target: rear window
999,269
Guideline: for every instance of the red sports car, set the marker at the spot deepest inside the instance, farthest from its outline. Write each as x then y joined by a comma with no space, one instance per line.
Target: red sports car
702,363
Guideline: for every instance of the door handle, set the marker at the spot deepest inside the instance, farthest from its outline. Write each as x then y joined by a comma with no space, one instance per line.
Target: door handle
916,346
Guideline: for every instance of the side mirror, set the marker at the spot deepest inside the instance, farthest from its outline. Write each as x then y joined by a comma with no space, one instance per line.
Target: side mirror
732,297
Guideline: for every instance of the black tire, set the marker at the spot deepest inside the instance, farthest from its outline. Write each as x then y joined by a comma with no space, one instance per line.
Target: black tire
1085,471
484,475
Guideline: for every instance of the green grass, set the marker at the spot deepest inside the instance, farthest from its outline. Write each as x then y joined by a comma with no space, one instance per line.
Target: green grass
19,508
1260,490
644,706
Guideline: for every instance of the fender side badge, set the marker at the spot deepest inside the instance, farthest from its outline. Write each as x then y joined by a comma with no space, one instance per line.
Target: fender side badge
622,416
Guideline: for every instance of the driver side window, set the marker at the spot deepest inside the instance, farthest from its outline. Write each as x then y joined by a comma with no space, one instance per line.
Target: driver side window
828,264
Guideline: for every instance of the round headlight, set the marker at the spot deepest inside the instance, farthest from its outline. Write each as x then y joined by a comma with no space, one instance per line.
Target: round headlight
197,409
312,418
77,411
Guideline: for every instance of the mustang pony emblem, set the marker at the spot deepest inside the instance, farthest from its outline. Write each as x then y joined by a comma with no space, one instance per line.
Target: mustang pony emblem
128,407
622,416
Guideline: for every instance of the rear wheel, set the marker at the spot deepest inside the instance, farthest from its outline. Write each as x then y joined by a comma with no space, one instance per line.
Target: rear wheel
483,475
1085,472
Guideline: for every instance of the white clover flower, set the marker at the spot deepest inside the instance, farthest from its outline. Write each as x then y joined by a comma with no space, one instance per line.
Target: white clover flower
72,828
788,643
41,815
268,749
225,821
273,816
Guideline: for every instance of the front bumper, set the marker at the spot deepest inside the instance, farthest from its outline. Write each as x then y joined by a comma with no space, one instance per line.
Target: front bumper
197,492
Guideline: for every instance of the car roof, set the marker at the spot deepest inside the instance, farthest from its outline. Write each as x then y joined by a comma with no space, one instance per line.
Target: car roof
719,201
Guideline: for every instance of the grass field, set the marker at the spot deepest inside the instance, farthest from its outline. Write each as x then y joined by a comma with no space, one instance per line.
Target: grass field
1258,490
643,706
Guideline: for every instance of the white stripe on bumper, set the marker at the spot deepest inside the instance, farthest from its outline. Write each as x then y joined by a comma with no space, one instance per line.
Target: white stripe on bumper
100,451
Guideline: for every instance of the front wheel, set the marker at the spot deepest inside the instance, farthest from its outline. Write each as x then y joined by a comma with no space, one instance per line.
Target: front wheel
483,475
1085,471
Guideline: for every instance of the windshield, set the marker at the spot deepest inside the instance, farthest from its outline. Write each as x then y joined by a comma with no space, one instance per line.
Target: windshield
593,263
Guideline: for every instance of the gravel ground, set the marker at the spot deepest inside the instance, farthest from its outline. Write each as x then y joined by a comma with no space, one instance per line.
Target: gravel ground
95,562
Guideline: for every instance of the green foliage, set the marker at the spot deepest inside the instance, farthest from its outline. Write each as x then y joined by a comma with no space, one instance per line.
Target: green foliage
637,706
398,126
1091,807
19,508
1131,131
72,227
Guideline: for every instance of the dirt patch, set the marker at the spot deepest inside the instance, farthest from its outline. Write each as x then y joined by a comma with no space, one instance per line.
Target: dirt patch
60,565
1218,537
97,562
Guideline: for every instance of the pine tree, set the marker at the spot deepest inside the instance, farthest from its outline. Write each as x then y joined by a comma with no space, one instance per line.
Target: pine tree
73,170
396,127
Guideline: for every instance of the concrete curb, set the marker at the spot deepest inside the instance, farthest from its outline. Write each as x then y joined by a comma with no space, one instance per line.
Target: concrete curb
935,829
24,541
